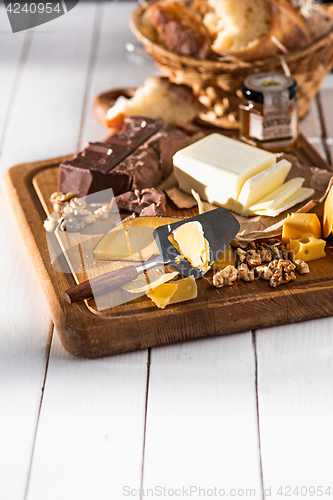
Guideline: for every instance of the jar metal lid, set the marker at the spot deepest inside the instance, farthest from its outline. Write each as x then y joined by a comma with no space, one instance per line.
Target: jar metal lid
255,86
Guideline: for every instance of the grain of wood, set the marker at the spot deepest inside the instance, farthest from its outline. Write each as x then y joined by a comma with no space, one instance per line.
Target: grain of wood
295,382
91,427
201,419
46,96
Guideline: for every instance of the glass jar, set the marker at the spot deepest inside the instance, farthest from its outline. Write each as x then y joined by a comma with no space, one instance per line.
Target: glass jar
269,115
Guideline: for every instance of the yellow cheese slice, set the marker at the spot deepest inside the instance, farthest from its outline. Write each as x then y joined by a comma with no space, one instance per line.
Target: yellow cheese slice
144,283
260,185
172,293
296,225
191,242
300,195
307,247
328,215
131,240
274,199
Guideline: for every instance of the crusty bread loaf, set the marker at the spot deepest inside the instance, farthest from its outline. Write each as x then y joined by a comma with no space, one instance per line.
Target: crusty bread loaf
181,29
245,29
157,98
254,29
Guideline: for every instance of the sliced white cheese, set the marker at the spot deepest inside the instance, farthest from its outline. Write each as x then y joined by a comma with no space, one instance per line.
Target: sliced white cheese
300,195
274,199
219,163
260,185
191,242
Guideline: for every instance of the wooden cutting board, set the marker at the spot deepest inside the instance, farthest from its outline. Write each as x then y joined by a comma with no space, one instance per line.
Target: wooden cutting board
86,332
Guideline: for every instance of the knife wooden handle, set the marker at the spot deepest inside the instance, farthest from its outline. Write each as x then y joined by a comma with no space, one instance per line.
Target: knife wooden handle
101,284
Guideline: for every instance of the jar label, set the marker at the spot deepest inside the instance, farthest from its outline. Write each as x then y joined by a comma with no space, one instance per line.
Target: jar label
273,127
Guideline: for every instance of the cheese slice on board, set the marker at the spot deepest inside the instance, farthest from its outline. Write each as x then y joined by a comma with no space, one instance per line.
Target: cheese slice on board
131,240
300,195
191,242
172,293
274,199
260,185
220,163
141,284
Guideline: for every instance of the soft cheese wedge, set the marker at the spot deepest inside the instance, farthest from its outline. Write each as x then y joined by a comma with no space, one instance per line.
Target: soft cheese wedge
300,195
220,164
132,240
191,243
274,199
260,185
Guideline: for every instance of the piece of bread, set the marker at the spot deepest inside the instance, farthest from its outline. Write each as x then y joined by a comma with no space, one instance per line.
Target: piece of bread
157,98
255,29
318,20
181,29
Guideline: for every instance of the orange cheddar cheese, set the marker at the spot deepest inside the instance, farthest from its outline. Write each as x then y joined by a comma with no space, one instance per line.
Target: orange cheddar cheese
307,248
298,224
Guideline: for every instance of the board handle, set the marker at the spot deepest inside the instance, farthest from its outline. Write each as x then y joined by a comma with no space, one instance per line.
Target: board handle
101,284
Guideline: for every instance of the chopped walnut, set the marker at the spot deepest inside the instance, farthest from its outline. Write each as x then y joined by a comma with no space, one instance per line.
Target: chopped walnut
75,224
282,272
264,272
225,277
302,267
102,212
245,273
50,224
241,255
265,253
253,258
59,199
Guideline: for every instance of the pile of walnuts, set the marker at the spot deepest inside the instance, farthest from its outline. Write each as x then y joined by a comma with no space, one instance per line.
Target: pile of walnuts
269,261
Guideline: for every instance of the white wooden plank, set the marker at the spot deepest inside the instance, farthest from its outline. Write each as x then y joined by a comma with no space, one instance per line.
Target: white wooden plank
97,422
295,382
24,333
10,54
47,113
114,67
201,420
310,127
44,121
90,436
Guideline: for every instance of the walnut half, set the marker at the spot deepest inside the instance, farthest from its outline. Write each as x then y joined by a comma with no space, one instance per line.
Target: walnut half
225,277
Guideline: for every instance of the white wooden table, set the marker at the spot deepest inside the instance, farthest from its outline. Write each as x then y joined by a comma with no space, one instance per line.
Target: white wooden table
228,416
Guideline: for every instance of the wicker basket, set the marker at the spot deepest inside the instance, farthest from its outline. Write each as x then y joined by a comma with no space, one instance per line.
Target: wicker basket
217,83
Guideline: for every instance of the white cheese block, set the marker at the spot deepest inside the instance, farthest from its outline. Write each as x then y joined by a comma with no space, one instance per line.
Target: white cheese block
274,199
219,163
260,185
300,195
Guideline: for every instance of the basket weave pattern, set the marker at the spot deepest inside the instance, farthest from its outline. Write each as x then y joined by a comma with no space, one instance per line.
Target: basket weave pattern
217,83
